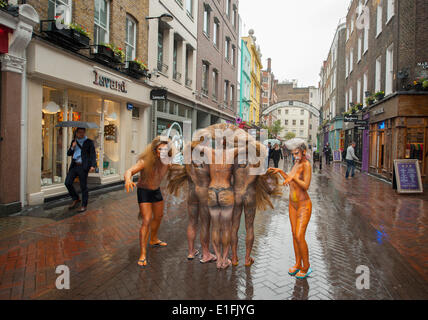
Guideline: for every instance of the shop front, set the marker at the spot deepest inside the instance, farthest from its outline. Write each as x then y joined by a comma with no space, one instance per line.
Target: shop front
398,130
64,87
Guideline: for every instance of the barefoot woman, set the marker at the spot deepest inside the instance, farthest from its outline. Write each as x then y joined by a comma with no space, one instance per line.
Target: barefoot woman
300,205
153,166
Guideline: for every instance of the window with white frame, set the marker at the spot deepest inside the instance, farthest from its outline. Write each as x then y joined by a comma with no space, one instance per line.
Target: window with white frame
351,96
365,84
360,44
207,20
226,89
233,55
227,49
390,11
189,7
131,38
215,84
346,101
359,91
351,60
347,67
228,8
366,39
379,19
205,70
216,32
101,21
378,73
58,8
389,72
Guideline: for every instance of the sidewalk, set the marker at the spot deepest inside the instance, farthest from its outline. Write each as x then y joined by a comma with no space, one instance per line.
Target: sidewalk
356,222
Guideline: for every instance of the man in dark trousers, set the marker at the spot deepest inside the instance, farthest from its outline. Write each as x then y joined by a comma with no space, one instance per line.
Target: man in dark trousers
84,161
327,153
276,154
270,152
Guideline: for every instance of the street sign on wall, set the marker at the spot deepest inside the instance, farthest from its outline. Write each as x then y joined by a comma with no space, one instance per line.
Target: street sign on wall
350,118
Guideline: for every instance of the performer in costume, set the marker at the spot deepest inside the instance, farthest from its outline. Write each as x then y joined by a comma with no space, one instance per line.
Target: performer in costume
153,165
300,205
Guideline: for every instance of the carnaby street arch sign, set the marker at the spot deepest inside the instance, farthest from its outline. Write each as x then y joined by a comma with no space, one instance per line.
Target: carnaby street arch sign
293,104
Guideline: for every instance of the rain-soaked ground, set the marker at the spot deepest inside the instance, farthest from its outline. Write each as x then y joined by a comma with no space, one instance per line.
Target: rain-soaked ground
360,222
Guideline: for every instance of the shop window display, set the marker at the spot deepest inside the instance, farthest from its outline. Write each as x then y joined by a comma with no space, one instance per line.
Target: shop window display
415,143
111,145
52,137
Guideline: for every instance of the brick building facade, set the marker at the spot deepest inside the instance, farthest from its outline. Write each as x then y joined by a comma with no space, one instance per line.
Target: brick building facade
217,60
269,96
385,54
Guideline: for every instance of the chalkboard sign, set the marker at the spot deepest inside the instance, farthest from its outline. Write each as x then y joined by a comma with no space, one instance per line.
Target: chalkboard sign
407,176
337,156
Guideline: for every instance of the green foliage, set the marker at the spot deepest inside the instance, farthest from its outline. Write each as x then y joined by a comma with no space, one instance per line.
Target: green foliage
289,135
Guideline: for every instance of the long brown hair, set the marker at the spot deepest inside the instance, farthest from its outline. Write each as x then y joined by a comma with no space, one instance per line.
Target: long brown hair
150,157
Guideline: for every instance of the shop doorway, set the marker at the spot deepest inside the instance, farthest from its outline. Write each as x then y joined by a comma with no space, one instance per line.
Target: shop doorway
135,142
380,146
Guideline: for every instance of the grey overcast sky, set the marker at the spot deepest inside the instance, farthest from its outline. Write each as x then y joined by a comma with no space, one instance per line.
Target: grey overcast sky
296,34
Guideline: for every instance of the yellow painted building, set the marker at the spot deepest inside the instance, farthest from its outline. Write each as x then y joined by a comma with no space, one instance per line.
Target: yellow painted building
256,67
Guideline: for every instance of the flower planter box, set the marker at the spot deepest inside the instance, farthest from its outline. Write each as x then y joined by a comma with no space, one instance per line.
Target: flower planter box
68,38
380,97
135,70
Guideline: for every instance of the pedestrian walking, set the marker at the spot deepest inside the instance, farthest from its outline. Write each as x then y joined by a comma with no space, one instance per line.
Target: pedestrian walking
84,161
350,160
153,165
327,153
270,152
276,155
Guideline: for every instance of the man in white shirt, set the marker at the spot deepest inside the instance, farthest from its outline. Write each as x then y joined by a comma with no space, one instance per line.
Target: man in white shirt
350,160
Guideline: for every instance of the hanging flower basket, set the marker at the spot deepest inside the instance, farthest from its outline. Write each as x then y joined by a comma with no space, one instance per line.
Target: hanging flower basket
71,36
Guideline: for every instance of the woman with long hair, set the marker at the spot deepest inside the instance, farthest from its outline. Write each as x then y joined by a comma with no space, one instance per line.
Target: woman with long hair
153,165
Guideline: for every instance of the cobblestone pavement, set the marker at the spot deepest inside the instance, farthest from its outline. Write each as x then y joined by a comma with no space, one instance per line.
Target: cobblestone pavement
356,222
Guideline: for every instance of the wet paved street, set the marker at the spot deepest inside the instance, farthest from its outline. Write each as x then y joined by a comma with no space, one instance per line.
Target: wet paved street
356,222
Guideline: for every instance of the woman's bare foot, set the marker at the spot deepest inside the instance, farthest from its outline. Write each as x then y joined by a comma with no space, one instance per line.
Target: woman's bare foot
142,262
219,263
212,258
293,270
226,264
158,243
235,261
192,256
249,262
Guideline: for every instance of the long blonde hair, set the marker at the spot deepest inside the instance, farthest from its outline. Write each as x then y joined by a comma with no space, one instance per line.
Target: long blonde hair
150,157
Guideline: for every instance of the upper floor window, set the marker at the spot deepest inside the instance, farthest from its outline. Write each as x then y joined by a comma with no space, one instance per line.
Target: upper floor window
227,49
390,10
233,55
207,20
189,7
101,21
234,16
228,8
58,8
130,39
216,32
379,18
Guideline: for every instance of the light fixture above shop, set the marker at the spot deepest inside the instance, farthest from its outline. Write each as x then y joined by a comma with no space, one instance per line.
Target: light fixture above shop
51,108
164,17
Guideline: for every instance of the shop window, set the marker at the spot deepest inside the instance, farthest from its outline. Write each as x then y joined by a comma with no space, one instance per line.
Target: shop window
173,108
415,143
111,150
53,139
161,106
136,112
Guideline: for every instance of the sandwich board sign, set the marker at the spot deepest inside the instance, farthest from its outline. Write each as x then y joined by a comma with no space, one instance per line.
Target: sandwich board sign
407,176
337,156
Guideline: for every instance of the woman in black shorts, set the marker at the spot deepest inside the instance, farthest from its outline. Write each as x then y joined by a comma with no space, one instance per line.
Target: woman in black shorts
153,165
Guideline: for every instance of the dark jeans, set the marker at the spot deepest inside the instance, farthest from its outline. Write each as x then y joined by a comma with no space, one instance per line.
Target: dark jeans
78,171
276,163
351,167
327,158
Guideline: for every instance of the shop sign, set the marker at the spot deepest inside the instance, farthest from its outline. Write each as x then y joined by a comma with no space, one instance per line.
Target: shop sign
362,127
361,123
407,176
129,106
378,111
107,82
158,94
351,118
337,156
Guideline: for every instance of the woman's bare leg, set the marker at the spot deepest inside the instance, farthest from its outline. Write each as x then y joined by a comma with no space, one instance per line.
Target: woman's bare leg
157,219
293,221
146,214
303,217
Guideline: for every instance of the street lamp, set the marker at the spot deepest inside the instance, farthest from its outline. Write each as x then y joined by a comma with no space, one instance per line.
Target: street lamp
164,17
